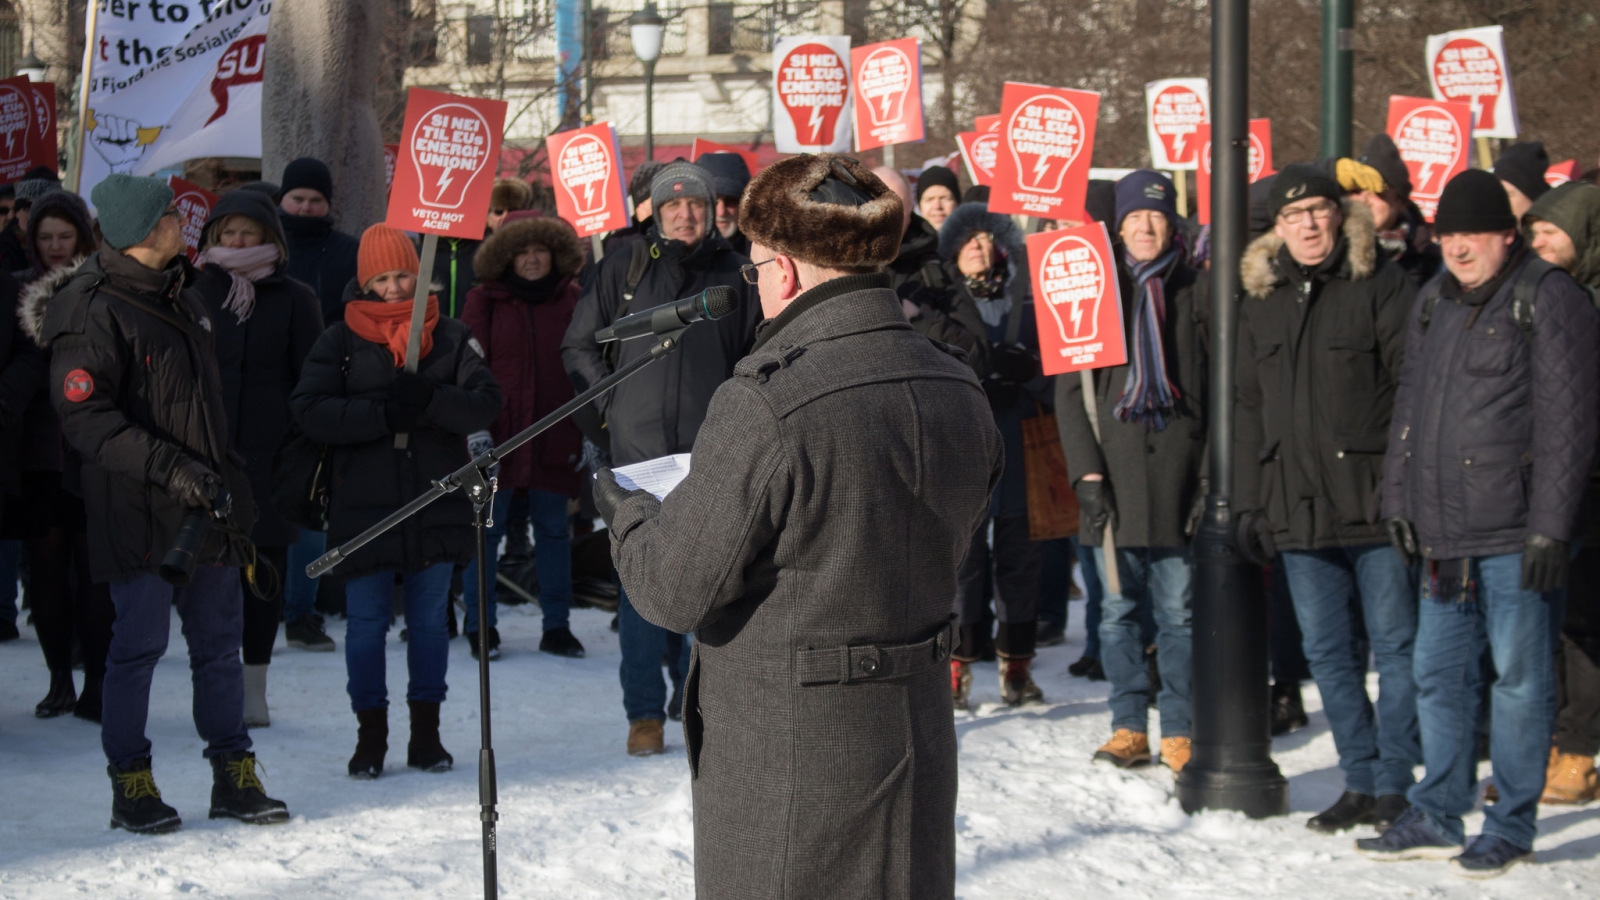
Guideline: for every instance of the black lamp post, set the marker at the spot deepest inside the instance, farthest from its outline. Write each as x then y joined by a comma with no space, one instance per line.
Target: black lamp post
647,26
31,65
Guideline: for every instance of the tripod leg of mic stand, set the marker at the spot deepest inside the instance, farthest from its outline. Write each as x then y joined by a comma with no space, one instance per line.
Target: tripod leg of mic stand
481,492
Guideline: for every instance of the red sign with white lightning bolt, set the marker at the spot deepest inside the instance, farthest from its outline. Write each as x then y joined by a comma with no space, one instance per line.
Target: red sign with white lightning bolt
449,149
1046,142
888,88
811,78
1434,137
586,167
1076,300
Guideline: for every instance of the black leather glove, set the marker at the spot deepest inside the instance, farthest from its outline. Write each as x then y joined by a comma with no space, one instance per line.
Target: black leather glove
608,494
1544,563
1404,538
409,396
1012,363
192,484
1099,506
1254,537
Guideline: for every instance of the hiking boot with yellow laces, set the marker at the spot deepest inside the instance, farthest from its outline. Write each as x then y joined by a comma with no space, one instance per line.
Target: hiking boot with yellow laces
136,801
237,792
1175,753
1571,779
1125,750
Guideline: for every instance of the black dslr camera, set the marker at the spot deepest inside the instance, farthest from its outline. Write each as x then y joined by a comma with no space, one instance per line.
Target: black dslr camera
177,566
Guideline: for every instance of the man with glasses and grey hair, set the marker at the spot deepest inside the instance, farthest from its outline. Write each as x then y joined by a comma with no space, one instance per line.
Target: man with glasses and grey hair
658,412
1321,334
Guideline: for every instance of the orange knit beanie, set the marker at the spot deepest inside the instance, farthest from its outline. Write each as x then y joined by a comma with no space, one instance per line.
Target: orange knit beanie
385,249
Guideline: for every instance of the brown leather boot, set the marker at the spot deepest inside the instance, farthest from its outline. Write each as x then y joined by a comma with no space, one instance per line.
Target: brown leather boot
1175,753
1125,750
645,738
1570,780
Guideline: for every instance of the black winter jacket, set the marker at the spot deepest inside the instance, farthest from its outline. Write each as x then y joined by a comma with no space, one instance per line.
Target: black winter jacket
945,314
1154,475
658,411
322,258
133,376
1494,429
340,402
453,273
1318,362
22,374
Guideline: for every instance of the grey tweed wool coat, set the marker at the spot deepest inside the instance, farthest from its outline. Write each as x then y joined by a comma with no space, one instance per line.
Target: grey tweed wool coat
835,486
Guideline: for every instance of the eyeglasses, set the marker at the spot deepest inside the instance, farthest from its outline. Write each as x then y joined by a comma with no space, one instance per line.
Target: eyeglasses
1321,213
748,270
171,211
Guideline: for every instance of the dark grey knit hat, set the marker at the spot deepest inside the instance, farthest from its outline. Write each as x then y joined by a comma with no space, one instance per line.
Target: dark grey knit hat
1523,166
680,179
129,206
1382,154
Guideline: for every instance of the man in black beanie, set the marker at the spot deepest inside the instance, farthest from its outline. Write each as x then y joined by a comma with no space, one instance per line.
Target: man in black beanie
1490,445
729,175
1521,171
319,254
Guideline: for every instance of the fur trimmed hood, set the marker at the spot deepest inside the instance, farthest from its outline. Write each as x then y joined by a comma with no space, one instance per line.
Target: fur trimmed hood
1258,268
35,299
970,217
494,255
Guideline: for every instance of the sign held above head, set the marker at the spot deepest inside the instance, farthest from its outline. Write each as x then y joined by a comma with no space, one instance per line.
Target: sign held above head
586,166
1434,139
888,93
1175,108
1075,283
449,150
811,86
1046,143
1470,66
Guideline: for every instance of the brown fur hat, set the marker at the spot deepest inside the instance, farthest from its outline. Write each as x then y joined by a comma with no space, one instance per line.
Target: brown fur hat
494,256
779,211
510,194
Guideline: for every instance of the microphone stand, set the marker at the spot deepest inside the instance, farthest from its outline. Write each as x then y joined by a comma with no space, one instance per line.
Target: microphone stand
480,487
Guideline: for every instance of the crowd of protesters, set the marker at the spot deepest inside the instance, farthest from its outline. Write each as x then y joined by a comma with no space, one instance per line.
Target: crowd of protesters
1415,464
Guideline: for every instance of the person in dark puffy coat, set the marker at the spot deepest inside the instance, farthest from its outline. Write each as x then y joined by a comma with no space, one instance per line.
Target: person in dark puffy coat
520,315
1491,445
355,396
264,324
320,255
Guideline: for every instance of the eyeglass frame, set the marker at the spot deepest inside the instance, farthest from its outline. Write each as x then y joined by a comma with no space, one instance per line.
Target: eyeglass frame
748,271
1297,216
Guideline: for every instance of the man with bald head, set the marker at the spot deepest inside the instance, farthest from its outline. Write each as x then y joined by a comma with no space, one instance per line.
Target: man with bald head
931,303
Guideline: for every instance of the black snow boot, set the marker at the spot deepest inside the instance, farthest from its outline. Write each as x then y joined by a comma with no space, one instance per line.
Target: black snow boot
561,642
372,742
425,751
61,700
136,801
237,792
1288,711
1352,809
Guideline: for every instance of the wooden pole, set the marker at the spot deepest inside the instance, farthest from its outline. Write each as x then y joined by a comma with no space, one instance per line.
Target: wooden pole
1108,543
83,97
419,314
1181,182
1485,158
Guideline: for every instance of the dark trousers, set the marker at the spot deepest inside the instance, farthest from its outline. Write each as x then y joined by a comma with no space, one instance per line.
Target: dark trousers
1055,579
1289,665
1578,660
67,604
211,608
261,617
644,694
1009,573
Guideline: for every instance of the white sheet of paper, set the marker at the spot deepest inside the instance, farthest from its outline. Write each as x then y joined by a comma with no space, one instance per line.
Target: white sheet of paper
658,476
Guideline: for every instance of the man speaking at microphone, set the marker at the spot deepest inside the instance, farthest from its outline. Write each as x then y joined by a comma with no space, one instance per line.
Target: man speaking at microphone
835,485
658,411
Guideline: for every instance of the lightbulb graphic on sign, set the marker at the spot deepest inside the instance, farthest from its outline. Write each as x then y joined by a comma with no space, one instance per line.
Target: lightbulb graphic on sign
1468,71
985,153
813,86
16,121
1046,135
885,81
43,117
450,149
1431,143
583,170
1072,275
194,208
1176,114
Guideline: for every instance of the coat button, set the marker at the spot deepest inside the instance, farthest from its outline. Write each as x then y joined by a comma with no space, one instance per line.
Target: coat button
1467,462
1339,454
869,665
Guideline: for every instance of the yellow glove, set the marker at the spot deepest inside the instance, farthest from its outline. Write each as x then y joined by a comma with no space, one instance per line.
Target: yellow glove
1358,176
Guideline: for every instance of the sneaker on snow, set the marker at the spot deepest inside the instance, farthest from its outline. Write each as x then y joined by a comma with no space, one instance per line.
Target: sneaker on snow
1125,750
306,633
1050,634
136,801
1489,856
1350,810
558,642
492,641
1175,753
1016,685
1388,810
645,738
1410,837
237,792
960,683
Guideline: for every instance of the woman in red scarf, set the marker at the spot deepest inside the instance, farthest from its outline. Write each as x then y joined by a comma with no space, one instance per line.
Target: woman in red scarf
355,396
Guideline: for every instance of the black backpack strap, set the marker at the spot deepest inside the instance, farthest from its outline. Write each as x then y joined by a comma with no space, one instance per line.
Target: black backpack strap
643,252
1525,293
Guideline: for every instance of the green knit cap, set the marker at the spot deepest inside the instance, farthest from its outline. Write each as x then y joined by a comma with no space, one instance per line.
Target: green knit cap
129,207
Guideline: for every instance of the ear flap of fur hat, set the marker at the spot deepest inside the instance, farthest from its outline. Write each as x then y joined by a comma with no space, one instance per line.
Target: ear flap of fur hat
825,209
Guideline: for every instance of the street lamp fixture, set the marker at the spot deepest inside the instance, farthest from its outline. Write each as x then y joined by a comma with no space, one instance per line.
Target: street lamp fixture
31,65
647,27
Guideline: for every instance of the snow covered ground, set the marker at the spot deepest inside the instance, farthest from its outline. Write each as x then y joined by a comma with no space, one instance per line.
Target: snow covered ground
579,819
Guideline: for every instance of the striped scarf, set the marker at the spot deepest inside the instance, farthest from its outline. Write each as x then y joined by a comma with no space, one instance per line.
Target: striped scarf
1149,395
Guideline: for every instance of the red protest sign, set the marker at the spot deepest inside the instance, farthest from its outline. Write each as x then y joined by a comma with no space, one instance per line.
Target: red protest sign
586,166
1470,66
1175,110
1258,164
27,127
1433,137
1562,172
391,156
1075,281
194,208
986,124
978,153
888,89
449,146
701,147
812,80
1046,141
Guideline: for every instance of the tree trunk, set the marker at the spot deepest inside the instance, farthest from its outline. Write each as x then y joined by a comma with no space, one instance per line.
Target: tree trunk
318,99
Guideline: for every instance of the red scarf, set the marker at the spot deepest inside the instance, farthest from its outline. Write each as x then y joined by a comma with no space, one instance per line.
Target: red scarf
389,324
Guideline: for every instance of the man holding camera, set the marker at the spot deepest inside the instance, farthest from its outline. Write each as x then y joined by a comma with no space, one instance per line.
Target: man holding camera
136,385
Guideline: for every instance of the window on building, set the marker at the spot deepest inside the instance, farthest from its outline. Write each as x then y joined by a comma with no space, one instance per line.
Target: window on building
10,38
480,40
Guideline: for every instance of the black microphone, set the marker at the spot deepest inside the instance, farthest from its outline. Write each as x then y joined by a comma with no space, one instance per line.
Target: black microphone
711,303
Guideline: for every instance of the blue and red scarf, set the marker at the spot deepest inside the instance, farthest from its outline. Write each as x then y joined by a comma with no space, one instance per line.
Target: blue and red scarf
1149,395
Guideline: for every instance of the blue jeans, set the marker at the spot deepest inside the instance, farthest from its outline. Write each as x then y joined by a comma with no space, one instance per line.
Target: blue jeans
211,607
644,695
552,553
10,555
1377,746
1158,581
369,601
299,591
1516,625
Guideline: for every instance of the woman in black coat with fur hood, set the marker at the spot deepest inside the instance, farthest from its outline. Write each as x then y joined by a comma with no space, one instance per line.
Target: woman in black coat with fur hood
266,323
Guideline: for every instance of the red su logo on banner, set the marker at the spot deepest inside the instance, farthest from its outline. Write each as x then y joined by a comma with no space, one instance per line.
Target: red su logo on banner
588,175
449,149
1433,137
1258,164
888,79
243,63
1075,281
194,208
1046,141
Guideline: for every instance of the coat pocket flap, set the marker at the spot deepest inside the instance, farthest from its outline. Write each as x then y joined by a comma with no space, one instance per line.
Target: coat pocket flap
1515,453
